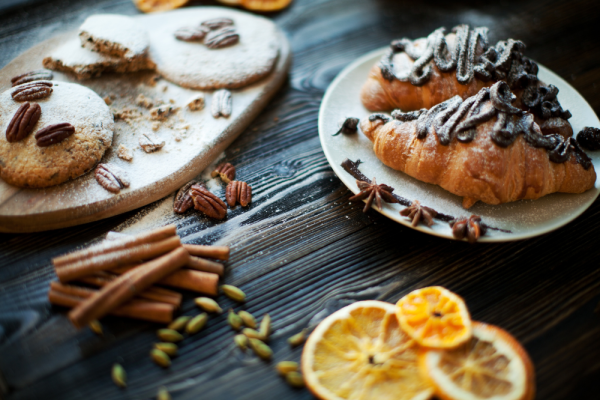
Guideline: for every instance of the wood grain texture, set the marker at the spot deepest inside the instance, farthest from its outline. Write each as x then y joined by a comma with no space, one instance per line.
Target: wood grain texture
301,250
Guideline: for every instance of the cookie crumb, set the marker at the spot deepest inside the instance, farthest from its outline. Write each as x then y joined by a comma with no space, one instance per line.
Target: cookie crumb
165,87
171,101
155,126
153,80
123,153
144,101
127,114
150,143
161,113
196,102
107,100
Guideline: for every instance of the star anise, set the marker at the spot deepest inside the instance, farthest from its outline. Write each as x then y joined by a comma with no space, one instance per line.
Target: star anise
419,213
373,191
471,228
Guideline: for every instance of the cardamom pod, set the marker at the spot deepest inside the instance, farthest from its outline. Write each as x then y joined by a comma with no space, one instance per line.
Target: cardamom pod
96,327
252,334
241,341
208,305
265,327
234,293
163,394
261,349
169,335
169,348
298,338
179,323
119,376
160,357
294,379
234,320
196,323
248,319
285,367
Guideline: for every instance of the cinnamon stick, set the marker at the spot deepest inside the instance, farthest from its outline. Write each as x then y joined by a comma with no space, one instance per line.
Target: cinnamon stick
153,293
216,252
196,281
126,242
205,265
138,309
127,286
114,259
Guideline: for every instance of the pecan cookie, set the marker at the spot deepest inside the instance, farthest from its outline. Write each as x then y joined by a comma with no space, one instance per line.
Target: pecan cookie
74,129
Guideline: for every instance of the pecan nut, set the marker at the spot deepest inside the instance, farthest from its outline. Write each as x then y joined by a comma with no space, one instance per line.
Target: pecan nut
217,23
470,228
226,171
221,104
150,143
222,37
23,121
183,198
53,134
207,203
111,177
238,192
32,91
191,33
38,75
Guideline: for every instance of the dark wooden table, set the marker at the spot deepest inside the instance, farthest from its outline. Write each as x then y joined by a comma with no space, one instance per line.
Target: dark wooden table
302,250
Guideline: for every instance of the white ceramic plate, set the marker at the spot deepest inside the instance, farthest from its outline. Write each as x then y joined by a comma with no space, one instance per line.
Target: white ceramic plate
525,218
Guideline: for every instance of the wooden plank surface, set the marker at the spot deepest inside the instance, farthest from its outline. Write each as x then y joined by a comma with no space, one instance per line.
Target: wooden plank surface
302,251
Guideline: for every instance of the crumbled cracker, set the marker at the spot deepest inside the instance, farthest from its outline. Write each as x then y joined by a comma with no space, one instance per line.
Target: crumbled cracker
144,101
196,102
123,153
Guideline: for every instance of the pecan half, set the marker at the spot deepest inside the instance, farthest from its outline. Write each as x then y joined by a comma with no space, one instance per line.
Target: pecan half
221,104
216,23
53,134
222,37
238,192
207,203
191,33
23,121
32,91
150,143
38,75
470,228
183,198
111,177
226,171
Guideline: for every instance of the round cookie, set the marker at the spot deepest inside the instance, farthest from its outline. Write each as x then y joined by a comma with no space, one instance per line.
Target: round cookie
194,65
26,164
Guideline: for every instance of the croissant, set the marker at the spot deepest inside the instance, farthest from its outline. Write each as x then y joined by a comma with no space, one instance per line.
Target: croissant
427,71
482,149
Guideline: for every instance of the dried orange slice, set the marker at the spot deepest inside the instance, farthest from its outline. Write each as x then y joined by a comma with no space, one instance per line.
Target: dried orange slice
149,6
492,364
360,353
231,2
435,317
265,5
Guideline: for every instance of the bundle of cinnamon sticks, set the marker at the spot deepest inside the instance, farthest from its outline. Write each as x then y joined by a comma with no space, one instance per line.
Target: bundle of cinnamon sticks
126,269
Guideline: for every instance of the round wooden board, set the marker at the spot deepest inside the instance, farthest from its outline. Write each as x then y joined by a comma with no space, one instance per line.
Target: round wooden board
193,141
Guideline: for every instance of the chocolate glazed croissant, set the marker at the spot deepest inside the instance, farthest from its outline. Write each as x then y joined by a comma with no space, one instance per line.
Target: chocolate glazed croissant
425,72
482,148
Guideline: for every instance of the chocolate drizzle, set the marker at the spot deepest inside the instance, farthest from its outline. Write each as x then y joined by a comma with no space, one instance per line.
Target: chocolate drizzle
472,56
458,118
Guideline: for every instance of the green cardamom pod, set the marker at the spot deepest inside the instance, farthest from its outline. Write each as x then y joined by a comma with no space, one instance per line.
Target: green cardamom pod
265,327
252,334
234,293
208,305
119,376
163,394
96,327
179,323
294,379
261,349
169,335
169,348
284,367
241,341
248,319
196,323
160,357
234,320
297,339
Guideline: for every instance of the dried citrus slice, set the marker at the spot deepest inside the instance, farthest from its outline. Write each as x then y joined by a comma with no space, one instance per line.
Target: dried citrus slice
265,5
360,353
491,365
231,2
149,6
435,317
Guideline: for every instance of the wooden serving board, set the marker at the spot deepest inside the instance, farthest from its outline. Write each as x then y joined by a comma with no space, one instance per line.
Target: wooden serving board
193,141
